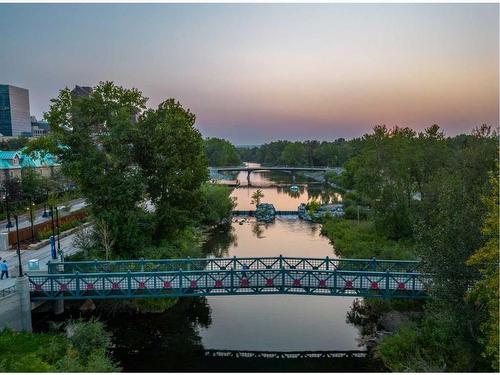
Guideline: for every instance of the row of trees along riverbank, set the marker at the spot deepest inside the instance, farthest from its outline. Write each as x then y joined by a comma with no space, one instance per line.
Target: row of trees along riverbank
436,199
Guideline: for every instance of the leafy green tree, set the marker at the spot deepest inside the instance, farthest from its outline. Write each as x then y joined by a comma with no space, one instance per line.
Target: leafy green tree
217,205
13,189
92,137
327,154
257,195
294,154
321,154
170,152
87,337
32,184
451,216
485,294
248,154
88,349
270,153
448,229
311,147
382,174
220,152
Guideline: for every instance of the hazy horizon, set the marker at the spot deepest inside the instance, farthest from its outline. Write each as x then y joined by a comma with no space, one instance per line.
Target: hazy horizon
253,73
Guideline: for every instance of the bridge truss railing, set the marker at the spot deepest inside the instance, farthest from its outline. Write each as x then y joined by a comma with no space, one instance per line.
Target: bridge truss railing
215,353
229,282
235,263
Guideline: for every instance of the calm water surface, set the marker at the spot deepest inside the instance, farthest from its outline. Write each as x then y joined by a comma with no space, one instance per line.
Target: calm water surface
285,323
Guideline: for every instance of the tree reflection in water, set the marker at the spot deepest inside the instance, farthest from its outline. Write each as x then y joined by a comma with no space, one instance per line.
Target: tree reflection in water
218,240
160,342
258,229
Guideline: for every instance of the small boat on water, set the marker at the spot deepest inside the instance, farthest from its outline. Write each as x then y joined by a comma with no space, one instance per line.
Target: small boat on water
294,188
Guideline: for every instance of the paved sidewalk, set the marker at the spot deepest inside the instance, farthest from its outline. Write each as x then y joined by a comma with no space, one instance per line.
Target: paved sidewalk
42,254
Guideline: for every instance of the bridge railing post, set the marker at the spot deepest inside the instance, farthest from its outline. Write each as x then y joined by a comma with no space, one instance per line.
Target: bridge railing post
231,279
77,282
189,263
234,262
281,261
179,275
142,264
282,279
129,282
387,291
327,263
335,280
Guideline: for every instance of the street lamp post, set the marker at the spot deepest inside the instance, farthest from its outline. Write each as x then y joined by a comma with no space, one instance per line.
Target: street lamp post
18,245
45,214
52,217
9,222
30,208
58,233
52,240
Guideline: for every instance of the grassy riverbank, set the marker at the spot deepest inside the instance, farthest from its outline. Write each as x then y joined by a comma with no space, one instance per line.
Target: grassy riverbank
361,240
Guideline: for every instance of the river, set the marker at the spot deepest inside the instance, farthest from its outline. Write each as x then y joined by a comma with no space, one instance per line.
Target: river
172,341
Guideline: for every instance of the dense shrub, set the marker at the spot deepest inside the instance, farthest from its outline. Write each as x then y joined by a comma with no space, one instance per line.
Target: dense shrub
84,348
216,202
351,212
352,240
435,344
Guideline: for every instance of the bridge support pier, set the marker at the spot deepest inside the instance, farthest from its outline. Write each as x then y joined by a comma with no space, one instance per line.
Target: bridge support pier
248,177
58,306
23,294
293,177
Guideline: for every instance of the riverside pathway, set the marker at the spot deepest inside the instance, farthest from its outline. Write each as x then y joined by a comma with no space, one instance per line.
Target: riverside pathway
42,254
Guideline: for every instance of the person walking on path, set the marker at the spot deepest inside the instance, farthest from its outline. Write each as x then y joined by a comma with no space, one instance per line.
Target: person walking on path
5,269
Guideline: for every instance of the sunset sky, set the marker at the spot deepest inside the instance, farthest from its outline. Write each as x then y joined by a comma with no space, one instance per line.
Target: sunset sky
253,73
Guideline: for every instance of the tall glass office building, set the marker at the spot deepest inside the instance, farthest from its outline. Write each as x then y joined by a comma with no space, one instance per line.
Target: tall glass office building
14,111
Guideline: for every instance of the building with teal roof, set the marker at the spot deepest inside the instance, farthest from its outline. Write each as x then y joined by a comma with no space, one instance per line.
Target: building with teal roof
12,162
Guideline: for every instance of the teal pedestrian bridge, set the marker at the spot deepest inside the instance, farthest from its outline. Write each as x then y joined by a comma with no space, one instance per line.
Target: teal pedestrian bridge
174,278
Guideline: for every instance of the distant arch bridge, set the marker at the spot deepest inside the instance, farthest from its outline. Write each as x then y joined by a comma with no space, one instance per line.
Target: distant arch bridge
250,169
